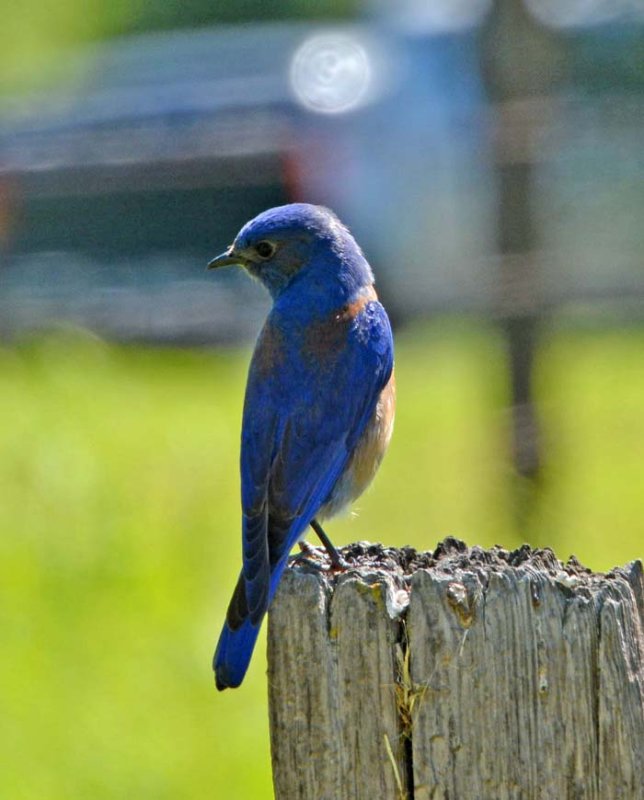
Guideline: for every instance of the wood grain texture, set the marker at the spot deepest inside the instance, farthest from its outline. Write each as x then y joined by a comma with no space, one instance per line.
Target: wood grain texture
457,674
332,688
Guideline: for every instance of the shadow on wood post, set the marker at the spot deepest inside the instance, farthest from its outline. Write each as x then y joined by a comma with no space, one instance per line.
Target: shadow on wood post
462,673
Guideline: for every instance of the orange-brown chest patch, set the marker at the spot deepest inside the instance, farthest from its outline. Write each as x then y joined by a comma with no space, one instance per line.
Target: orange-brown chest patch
326,337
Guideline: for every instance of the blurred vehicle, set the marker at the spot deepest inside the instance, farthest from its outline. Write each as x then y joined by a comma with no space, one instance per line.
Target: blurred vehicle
119,185
117,188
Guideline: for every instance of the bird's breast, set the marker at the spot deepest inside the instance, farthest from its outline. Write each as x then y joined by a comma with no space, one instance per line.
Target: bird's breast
367,456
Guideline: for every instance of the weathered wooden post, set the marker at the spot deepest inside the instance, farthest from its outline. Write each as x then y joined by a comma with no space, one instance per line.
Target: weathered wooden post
461,674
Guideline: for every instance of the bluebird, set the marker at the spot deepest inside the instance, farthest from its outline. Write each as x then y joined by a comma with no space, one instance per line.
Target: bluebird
319,406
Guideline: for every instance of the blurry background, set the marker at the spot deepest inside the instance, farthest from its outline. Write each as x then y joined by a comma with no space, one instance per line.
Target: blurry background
489,158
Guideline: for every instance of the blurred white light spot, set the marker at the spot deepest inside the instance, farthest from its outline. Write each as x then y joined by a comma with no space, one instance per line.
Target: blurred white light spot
331,73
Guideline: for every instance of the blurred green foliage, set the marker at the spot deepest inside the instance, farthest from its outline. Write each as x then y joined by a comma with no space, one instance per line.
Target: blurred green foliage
120,545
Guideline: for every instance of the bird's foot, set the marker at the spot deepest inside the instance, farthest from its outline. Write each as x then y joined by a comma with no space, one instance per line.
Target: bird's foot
312,557
309,556
338,563
307,549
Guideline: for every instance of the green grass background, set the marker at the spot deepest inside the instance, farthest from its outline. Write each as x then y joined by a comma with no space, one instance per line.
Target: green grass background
120,544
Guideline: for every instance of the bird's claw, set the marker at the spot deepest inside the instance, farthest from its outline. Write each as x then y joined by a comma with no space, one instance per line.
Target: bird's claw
339,565
310,556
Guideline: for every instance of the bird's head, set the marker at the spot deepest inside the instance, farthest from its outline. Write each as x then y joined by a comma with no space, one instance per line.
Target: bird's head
290,240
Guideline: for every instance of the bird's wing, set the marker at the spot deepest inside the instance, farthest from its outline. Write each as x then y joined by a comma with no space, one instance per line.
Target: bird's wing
302,420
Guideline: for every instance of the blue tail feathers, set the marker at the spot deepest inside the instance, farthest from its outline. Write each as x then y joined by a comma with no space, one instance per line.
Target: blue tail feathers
233,654
235,646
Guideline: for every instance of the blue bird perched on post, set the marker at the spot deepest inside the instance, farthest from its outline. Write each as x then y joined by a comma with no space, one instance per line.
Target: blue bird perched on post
319,407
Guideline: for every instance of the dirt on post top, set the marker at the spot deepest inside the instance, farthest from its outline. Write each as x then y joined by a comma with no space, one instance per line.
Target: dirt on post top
451,558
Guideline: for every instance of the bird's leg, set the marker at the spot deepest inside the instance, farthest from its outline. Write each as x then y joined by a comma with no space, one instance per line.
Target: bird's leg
337,562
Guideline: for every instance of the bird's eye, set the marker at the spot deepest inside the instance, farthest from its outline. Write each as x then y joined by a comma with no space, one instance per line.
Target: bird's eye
265,249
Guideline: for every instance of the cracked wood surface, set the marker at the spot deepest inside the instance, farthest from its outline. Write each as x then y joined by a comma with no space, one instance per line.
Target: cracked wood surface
456,674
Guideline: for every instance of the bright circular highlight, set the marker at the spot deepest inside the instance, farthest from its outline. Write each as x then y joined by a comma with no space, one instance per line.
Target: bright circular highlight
331,73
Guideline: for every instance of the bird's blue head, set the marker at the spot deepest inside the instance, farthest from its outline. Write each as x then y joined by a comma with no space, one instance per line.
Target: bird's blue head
295,243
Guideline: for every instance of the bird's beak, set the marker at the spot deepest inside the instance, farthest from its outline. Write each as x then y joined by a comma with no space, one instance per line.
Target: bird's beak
227,259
